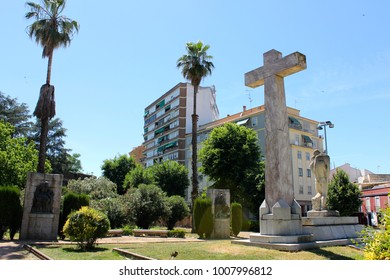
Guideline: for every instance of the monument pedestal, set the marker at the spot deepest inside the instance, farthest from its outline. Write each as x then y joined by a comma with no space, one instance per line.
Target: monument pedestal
328,225
220,208
41,210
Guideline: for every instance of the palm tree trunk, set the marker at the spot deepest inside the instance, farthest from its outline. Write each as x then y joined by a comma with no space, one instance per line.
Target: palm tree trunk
49,63
195,184
42,145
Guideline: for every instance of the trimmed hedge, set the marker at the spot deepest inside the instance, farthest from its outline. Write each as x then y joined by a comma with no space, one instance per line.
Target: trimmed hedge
236,218
11,211
72,202
203,218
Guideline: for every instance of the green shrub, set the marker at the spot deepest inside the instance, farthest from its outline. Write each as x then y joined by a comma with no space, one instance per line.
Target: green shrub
236,218
377,242
11,211
145,205
127,230
178,233
179,210
86,226
72,202
113,208
203,218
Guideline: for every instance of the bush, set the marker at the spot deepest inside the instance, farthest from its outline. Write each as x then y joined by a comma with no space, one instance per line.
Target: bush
127,230
236,218
138,176
203,218
113,208
178,233
377,242
86,226
11,211
179,210
72,202
145,205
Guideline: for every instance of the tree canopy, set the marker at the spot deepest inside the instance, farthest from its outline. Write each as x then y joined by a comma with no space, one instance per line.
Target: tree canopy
116,170
343,195
231,157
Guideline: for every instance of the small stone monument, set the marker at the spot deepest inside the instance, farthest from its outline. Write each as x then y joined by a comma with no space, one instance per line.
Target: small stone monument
42,202
220,208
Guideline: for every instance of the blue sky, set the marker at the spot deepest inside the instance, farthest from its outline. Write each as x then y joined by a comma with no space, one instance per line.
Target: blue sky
125,54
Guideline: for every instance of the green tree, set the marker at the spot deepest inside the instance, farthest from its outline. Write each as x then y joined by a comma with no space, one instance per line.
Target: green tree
137,176
195,65
179,210
116,170
60,157
146,205
17,157
343,195
11,210
234,148
171,177
16,114
51,30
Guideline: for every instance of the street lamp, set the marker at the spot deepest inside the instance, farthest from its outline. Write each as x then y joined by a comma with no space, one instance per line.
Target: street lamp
323,125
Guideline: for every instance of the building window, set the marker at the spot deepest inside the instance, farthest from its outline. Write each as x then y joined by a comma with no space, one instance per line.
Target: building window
300,171
299,155
377,204
309,191
308,172
300,189
307,156
368,204
296,140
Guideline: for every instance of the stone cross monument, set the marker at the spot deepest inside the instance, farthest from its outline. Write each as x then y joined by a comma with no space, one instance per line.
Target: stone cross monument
279,207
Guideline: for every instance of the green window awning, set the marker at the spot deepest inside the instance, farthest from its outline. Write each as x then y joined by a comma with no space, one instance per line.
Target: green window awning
160,130
242,122
307,139
294,122
160,104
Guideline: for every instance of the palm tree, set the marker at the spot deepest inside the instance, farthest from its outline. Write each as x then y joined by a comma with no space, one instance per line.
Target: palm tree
195,65
51,30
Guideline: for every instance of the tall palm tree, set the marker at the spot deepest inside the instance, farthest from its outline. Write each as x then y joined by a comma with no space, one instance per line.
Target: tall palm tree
195,65
51,30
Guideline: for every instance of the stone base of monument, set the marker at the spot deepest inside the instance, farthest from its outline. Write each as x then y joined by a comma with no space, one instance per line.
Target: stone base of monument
220,208
41,210
328,225
319,229
221,229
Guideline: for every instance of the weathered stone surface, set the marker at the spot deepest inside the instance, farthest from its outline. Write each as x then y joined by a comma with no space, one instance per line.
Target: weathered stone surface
43,223
221,212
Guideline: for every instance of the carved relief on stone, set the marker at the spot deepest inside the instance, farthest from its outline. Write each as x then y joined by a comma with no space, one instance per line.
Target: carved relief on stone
43,199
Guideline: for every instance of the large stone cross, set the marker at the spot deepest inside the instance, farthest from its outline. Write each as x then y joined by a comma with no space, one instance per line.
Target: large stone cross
278,167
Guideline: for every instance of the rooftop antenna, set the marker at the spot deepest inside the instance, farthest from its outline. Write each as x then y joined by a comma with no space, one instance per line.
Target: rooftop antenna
248,92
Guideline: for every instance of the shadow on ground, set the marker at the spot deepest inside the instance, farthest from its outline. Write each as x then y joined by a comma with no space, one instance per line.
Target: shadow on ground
329,255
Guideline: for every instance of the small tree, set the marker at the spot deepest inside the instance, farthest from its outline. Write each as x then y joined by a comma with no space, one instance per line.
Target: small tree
203,217
236,218
138,176
146,205
116,169
179,210
343,195
171,177
86,226
11,211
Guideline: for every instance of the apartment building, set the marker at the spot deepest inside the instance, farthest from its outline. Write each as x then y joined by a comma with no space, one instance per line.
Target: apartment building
304,139
168,119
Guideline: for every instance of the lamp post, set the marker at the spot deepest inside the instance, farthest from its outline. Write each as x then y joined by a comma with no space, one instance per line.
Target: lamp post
323,125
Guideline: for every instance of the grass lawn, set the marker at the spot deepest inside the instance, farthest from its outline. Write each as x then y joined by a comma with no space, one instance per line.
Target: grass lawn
207,250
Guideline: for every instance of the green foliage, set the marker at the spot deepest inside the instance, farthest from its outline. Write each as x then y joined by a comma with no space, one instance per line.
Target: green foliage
236,218
179,210
145,205
60,158
103,195
127,230
138,176
203,218
72,202
178,233
377,242
86,226
171,177
343,195
17,157
231,145
11,211
116,170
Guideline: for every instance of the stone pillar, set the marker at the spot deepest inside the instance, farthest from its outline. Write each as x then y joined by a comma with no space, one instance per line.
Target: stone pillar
41,210
220,208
